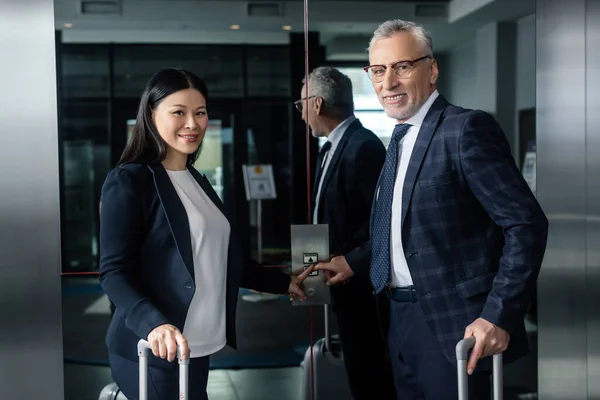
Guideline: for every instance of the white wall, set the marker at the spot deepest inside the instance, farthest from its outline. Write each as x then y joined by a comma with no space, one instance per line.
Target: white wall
466,78
459,69
459,75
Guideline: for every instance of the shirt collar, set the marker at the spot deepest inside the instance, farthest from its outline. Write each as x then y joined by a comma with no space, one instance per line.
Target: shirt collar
336,135
417,119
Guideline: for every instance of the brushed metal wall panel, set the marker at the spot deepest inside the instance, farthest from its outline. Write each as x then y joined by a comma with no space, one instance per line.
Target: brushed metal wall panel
561,188
310,244
593,194
31,355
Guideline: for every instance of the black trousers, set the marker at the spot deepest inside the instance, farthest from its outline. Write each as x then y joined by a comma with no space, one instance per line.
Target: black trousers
365,355
162,384
421,370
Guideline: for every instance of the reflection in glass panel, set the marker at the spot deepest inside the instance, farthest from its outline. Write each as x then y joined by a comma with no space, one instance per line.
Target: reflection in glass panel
266,124
367,107
130,127
233,73
219,66
81,245
210,162
268,71
378,122
85,162
85,71
84,141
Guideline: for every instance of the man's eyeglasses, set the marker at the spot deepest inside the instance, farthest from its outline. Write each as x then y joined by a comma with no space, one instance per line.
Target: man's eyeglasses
402,69
299,103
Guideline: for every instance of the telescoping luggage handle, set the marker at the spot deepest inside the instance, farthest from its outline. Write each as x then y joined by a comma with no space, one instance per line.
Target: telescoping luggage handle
144,350
462,349
327,313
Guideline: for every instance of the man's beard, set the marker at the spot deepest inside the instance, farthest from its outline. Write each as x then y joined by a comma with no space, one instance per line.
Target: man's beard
403,113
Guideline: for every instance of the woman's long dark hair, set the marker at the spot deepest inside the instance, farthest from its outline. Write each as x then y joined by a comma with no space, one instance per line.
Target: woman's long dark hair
146,146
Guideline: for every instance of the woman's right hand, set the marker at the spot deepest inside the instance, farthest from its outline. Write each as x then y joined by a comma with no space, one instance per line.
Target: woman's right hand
164,340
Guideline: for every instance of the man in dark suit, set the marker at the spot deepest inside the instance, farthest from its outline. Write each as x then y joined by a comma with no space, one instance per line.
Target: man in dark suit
347,169
457,236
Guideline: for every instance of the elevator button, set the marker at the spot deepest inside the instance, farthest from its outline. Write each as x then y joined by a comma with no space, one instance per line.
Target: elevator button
310,258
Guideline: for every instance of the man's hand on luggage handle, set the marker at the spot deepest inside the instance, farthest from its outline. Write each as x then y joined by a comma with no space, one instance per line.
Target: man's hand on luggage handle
164,340
337,270
489,340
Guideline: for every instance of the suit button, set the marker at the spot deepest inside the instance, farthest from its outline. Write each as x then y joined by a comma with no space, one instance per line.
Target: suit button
187,286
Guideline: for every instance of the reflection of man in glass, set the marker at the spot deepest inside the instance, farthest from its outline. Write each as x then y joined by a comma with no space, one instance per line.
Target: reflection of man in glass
346,174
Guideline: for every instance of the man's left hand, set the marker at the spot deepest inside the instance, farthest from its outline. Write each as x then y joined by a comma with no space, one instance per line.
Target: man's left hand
489,340
337,270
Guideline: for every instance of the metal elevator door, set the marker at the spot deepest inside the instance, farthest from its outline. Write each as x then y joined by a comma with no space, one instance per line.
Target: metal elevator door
568,145
592,128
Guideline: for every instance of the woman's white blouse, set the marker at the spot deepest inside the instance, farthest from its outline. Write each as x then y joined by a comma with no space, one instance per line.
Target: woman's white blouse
209,230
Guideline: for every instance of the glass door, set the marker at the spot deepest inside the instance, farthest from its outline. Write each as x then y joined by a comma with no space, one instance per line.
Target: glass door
210,162
216,156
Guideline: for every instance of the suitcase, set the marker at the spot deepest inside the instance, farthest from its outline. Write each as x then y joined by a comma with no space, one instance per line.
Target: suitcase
462,350
330,379
112,391
143,352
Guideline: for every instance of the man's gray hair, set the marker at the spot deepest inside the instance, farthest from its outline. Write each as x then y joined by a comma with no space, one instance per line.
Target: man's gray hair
333,86
391,27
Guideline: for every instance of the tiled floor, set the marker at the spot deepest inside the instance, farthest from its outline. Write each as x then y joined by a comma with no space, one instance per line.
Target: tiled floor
83,307
85,383
255,384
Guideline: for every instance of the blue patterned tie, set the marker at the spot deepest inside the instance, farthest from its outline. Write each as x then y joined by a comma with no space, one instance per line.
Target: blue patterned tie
320,161
323,154
382,220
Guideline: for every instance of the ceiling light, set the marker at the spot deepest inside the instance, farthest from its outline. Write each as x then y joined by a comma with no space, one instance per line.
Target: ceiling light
287,27
68,25
234,27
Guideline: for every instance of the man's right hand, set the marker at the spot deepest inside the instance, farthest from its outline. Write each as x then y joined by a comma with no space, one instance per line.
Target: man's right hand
164,340
337,270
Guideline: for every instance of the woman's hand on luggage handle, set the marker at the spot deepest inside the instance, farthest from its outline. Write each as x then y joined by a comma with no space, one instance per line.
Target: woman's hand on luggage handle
337,270
489,340
164,340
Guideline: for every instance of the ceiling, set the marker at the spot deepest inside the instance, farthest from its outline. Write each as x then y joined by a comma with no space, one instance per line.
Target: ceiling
345,26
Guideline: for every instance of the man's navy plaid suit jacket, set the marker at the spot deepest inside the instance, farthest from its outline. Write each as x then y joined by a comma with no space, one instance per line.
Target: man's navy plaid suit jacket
473,233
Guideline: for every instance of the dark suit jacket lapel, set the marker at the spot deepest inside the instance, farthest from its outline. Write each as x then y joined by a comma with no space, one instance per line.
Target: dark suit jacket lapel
354,126
176,214
421,145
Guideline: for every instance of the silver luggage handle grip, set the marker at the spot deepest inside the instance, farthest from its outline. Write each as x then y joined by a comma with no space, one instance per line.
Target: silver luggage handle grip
462,350
143,353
